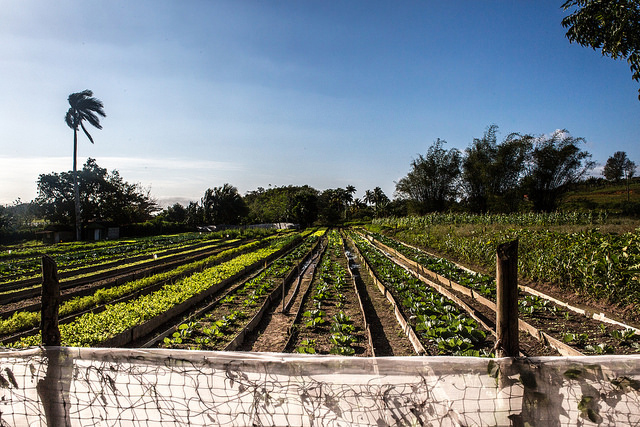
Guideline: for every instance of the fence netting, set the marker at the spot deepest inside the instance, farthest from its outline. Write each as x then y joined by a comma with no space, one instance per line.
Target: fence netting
107,387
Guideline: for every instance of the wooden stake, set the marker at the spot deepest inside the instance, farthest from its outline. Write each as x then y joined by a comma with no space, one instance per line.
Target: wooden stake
50,303
507,300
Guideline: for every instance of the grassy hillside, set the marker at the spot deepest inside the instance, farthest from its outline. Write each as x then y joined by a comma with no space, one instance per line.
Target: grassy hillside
599,194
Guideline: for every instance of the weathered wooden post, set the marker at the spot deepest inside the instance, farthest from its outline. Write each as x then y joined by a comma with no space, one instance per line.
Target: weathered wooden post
50,303
53,389
284,294
507,300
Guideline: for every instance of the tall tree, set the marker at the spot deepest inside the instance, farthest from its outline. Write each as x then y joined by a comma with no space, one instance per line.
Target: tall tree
107,197
283,204
431,183
610,25
331,205
223,205
174,213
82,107
491,171
619,166
555,164
194,214
377,199
351,190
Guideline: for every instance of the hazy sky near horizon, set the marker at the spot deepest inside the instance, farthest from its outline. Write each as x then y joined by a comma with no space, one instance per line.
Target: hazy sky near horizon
325,93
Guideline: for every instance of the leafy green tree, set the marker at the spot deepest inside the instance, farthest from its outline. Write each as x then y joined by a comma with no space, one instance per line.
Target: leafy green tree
359,209
555,164
305,206
7,222
431,184
618,166
82,107
350,190
174,213
296,204
194,214
331,205
491,172
377,199
107,197
23,214
223,205
613,26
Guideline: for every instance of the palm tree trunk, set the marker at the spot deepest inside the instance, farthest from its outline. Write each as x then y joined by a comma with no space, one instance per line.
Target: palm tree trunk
76,190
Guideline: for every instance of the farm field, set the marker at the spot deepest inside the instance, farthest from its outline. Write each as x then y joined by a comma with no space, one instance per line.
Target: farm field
566,257
21,262
322,311
362,292
168,290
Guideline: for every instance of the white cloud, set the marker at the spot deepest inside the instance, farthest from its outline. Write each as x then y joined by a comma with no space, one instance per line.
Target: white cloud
169,178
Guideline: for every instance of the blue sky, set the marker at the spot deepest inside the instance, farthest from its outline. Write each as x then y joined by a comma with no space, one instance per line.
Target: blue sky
325,93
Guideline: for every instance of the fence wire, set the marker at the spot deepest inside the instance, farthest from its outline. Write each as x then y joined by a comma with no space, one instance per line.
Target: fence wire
113,387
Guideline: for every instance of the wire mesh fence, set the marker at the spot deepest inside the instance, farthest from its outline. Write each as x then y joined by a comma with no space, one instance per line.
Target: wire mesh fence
111,387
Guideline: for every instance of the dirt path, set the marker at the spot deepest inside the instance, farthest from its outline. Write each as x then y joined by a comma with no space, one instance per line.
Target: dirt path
386,334
273,332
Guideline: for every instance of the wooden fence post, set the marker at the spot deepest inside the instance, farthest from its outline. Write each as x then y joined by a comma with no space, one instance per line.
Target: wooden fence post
50,303
284,294
507,300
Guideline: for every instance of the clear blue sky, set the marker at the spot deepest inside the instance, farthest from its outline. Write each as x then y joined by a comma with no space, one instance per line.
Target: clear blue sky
325,93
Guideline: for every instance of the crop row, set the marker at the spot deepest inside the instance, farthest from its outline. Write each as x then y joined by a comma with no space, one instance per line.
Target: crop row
332,321
217,327
91,329
22,320
23,263
592,263
481,283
594,338
437,320
521,219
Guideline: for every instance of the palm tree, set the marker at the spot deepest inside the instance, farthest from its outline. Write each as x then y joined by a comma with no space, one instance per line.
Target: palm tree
348,199
369,197
83,107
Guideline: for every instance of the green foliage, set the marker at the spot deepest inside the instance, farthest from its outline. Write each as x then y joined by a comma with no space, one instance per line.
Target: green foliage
434,317
625,337
296,204
556,163
532,304
93,328
601,348
307,346
223,205
601,265
430,184
618,166
491,172
105,197
578,339
613,26
316,318
342,344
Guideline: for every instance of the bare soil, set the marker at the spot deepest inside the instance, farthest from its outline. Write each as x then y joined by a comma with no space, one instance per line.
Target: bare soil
387,336
273,332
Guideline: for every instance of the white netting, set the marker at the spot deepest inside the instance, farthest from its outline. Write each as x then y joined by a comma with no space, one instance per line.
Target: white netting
105,387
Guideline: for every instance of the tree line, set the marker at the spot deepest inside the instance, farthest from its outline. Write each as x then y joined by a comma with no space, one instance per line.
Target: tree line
303,205
521,172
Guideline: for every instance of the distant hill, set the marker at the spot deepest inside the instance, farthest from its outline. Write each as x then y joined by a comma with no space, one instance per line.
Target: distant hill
600,194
